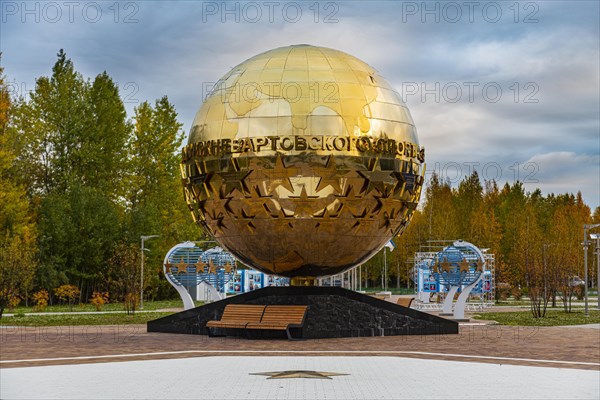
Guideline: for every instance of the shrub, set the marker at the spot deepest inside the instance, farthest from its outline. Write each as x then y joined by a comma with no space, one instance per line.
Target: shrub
13,302
67,293
40,298
579,292
131,302
99,299
516,293
502,290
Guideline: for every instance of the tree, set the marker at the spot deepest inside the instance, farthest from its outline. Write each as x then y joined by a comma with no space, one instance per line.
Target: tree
67,293
485,228
71,137
439,210
17,229
104,144
78,231
15,212
123,275
467,202
50,129
155,202
17,267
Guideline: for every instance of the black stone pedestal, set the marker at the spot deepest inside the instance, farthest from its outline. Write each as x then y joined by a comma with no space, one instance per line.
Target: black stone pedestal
333,312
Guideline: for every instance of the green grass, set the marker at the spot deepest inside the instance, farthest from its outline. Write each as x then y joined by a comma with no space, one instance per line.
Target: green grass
559,304
148,305
552,318
394,290
79,319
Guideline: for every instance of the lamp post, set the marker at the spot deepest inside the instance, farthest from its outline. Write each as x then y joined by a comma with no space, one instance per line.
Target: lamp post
384,269
586,244
597,237
144,238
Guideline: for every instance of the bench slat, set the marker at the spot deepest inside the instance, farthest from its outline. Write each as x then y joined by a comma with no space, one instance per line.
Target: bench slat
280,317
238,316
404,301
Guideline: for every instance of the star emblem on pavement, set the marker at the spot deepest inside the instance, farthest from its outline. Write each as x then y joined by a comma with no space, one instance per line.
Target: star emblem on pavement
299,374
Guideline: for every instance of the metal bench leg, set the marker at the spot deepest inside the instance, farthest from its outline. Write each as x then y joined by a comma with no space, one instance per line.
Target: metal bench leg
289,334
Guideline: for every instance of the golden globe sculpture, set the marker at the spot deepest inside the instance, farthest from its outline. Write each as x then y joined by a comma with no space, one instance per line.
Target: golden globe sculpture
303,162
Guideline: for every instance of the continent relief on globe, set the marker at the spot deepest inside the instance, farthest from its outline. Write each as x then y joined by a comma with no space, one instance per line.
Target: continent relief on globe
303,162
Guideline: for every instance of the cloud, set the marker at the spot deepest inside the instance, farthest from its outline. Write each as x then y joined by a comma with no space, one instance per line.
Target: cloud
562,171
177,49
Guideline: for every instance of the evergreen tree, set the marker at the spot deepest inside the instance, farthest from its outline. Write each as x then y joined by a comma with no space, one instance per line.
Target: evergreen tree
467,202
155,196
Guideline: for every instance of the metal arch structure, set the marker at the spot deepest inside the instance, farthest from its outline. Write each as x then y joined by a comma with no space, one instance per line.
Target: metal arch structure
460,266
472,276
209,270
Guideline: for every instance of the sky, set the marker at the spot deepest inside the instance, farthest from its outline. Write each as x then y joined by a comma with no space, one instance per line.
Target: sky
511,89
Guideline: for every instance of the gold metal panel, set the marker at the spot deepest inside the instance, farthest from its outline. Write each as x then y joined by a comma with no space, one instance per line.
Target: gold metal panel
344,75
276,62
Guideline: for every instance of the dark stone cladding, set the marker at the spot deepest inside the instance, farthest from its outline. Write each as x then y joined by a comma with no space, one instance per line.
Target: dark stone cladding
333,312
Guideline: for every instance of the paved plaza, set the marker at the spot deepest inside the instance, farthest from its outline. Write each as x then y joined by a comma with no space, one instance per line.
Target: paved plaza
230,378
488,361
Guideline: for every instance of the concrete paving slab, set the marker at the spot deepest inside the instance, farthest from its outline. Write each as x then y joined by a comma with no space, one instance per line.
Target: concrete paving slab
229,378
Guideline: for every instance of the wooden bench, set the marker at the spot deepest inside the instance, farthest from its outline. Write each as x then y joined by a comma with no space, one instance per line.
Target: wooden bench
237,316
280,318
405,301
379,296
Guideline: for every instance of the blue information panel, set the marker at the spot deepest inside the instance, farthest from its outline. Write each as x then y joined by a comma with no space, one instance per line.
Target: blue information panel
246,280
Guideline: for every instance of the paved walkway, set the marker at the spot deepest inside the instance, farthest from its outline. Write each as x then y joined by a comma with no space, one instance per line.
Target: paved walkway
105,362
45,313
535,346
229,378
586,326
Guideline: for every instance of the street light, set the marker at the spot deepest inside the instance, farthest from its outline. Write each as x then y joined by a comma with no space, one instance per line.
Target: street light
144,238
597,237
586,244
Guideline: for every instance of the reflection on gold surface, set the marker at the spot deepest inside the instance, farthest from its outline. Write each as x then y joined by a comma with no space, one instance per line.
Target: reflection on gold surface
303,162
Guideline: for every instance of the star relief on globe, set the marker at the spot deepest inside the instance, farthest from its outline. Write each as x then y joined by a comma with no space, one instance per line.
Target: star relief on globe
303,162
